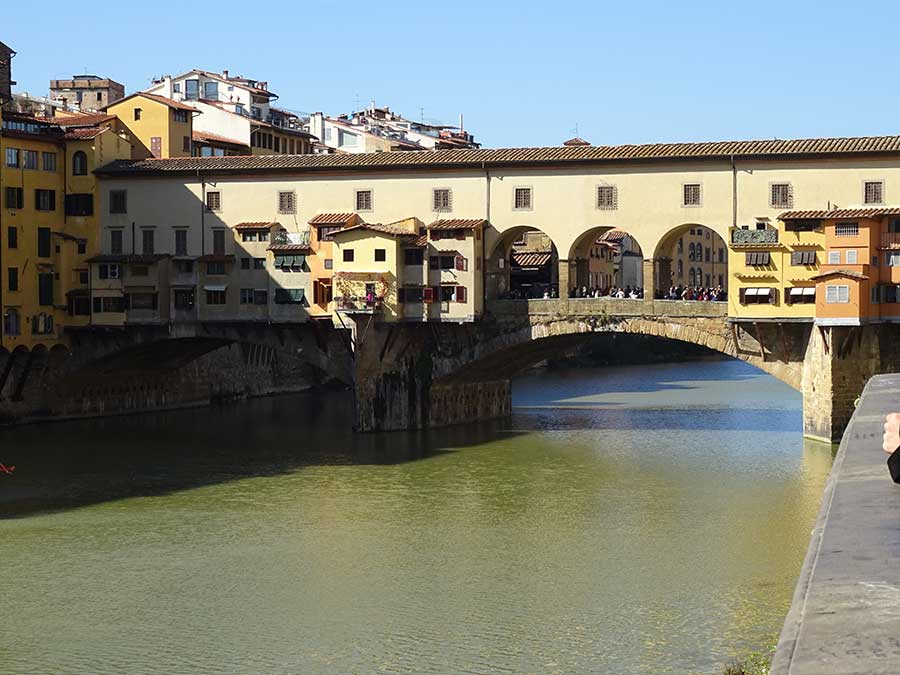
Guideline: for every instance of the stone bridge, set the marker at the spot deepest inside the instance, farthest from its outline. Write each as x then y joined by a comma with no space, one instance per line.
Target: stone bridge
421,375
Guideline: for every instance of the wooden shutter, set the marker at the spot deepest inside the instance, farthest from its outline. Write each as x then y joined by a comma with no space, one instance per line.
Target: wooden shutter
743,295
462,264
428,294
460,293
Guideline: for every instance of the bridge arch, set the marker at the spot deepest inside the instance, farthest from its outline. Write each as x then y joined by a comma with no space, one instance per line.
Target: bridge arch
523,262
691,254
605,256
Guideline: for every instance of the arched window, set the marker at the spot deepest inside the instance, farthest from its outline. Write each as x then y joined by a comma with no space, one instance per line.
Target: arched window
690,251
79,164
699,277
681,269
691,278
11,325
681,245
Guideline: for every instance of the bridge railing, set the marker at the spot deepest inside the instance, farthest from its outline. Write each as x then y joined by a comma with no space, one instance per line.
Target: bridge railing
607,306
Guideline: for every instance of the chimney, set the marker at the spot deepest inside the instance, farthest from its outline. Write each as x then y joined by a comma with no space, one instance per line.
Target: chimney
225,74
460,123
317,125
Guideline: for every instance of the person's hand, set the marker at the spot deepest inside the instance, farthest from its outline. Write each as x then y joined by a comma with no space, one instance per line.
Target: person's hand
891,438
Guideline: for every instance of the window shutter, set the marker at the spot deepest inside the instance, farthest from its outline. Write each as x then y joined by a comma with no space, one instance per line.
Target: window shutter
462,264
460,293
434,262
743,295
773,296
428,294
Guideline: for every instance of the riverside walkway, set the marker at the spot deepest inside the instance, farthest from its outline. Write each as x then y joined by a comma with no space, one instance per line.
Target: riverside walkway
845,615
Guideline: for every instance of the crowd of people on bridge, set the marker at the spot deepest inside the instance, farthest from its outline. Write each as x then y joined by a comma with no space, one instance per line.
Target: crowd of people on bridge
700,293
680,292
613,292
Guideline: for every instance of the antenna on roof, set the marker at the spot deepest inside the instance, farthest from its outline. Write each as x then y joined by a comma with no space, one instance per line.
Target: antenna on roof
422,115
356,103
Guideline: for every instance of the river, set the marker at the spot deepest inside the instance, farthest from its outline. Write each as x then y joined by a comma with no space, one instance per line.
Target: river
633,520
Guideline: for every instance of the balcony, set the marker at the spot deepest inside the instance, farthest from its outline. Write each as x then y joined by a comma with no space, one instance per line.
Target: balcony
352,304
890,240
766,237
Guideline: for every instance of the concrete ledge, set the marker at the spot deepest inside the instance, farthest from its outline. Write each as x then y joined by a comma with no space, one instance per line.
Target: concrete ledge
845,614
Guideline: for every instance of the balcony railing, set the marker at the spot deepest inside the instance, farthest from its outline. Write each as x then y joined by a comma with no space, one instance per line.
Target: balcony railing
356,305
754,237
291,238
890,240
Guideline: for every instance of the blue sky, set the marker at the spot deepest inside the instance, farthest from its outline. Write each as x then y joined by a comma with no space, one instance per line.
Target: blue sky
522,74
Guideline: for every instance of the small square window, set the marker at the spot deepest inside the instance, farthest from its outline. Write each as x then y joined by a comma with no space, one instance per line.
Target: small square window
380,255
213,201
118,201
873,192
363,200
781,196
287,202
442,200
348,255
607,197
522,198
691,194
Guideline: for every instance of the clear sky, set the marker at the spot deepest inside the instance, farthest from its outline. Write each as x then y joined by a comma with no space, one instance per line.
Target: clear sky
521,73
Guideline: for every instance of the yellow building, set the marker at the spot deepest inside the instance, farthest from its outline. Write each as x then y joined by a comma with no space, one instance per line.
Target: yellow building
772,268
32,178
159,127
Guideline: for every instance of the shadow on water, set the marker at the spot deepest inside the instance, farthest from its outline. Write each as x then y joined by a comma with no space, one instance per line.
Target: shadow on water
71,464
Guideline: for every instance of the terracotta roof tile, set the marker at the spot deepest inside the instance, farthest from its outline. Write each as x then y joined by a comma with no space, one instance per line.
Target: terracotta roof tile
201,136
457,224
332,219
84,134
840,273
82,120
177,105
255,225
378,227
840,214
477,158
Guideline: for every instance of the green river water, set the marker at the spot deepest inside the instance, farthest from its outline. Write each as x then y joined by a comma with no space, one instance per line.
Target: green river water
634,520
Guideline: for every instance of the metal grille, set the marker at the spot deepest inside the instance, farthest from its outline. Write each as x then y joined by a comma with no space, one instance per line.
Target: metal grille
287,202
213,201
781,196
364,200
692,194
873,192
607,197
442,200
523,198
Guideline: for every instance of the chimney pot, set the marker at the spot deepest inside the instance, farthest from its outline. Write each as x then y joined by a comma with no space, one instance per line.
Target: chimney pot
225,74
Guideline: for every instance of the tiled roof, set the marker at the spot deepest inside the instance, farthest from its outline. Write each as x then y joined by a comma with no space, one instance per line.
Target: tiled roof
289,247
172,103
378,227
613,235
82,120
842,273
840,214
201,136
256,225
457,224
84,133
531,259
575,142
420,242
480,158
332,219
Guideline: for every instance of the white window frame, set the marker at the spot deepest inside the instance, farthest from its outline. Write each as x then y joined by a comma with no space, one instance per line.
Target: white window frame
851,256
846,229
837,294
834,257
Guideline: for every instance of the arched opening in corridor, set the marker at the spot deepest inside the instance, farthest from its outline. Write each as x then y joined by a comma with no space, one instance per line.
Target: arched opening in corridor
606,261
691,260
524,263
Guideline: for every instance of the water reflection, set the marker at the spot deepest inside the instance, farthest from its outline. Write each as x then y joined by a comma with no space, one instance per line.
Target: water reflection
626,520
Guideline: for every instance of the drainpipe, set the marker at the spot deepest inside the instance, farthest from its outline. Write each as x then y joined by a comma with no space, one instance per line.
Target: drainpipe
734,193
202,214
487,217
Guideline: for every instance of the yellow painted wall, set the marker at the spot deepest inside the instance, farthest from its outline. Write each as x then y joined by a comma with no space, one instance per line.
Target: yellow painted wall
157,119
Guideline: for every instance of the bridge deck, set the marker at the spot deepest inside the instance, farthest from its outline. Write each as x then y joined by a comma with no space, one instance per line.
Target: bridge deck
609,306
845,615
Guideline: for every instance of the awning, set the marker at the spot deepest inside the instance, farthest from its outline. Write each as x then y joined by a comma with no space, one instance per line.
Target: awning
216,287
809,291
798,291
753,291
289,260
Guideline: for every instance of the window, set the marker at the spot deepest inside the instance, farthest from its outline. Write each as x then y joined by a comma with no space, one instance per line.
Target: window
108,271
380,255
245,263
873,192
442,199
607,197
803,257
180,116
277,140
215,297
462,264
800,296
15,198
45,289
213,201
211,91
11,323
12,157
259,263
80,204
348,255
115,242
184,266
83,278
246,296
12,237
31,159
216,267
79,164
79,306
176,87
186,143
721,255
691,194
839,294
181,242
781,196
249,236
448,262
48,161
287,202
118,201
329,264
522,198
893,259
411,294
707,255
851,256
757,296
326,233
219,242
12,279
106,305
363,200
288,296
137,114
413,256
45,200
147,241
43,248
184,298
347,139
834,257
846,229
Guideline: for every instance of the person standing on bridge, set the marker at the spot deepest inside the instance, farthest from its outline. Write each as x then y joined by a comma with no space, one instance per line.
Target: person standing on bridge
891,444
